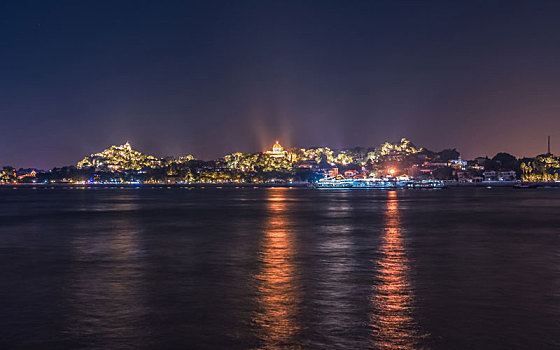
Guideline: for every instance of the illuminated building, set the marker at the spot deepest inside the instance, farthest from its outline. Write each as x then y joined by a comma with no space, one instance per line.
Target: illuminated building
277,151
458,164
33,173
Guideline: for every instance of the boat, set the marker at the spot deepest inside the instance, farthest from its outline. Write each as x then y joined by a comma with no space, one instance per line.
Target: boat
428,184
372,183
525,185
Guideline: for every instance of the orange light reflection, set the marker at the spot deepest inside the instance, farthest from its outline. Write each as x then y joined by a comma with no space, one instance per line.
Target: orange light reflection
278,293
392,321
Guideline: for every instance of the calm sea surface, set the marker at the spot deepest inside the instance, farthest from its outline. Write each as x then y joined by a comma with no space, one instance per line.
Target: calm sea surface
144,268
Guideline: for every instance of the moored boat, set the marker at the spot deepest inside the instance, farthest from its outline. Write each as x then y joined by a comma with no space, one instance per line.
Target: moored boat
379,183
428,184
525,185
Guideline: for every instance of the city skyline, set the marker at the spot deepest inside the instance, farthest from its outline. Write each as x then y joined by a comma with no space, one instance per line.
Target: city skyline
401,163
548,148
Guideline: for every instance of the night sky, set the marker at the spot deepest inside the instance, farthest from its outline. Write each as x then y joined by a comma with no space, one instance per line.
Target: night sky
209,78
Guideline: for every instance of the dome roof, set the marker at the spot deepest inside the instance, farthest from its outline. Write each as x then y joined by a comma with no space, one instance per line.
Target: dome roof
277,147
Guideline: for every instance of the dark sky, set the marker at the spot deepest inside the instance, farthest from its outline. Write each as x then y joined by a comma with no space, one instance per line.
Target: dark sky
209,78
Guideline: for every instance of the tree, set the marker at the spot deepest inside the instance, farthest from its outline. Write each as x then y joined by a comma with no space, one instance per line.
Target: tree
445,173
446,155
506,161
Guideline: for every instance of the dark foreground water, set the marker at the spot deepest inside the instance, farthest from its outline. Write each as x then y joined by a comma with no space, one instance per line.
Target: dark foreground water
279,268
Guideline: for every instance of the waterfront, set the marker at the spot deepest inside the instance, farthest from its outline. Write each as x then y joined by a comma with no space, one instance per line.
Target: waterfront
279,268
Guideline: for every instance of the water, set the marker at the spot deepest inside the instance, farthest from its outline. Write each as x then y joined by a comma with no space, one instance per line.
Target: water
279,268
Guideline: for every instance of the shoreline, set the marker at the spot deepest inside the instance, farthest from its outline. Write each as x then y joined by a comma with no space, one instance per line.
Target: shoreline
175,185
450,184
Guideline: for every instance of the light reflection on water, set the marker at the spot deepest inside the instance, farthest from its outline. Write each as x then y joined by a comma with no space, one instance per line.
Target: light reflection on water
107,288
392,317
337,310
278,294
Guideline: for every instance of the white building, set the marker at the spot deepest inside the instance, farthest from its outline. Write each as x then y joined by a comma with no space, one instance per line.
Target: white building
506,175
490,176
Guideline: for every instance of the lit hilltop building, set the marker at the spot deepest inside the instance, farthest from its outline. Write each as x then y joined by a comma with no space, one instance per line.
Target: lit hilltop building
277,151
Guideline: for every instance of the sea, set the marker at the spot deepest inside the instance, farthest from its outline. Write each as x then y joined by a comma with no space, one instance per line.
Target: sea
279,268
